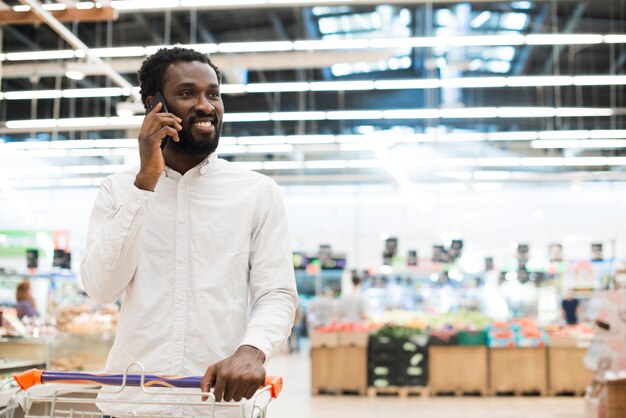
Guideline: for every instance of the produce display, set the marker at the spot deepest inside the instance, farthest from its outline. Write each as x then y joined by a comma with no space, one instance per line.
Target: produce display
579,335
521,332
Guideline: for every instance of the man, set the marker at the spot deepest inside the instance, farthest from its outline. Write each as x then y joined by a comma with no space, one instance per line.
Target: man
198,246
354,305
570,308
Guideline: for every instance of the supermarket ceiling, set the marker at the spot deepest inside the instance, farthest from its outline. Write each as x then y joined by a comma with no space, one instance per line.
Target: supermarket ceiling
327,92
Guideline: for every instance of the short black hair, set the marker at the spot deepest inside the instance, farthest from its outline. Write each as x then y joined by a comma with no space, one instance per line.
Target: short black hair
150,75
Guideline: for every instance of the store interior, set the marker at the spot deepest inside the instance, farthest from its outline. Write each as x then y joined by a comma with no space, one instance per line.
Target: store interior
464,162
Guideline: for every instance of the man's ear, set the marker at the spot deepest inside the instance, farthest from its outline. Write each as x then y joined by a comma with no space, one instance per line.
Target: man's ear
149,101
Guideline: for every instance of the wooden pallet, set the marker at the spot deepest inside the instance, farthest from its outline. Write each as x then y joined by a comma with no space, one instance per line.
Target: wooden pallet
459,393
400,391
335,391
514,392
567,392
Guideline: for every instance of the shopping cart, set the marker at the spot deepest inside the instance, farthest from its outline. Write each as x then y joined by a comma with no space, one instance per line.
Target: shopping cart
64,401
8,410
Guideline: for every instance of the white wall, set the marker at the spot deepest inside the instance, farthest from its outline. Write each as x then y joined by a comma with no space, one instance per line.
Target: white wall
352,219
487,221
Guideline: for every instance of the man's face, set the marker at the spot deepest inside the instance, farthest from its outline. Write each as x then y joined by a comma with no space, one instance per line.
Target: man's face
192,92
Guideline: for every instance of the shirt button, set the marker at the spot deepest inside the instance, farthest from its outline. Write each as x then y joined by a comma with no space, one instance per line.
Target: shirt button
181,221
181,260
179,337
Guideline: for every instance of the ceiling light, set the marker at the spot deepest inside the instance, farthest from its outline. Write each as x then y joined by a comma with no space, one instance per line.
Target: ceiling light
310,139
247,117
536,81
142,4
261,140
354,114
499,162
77,122
473,82
476,112
39,94
526,112
231,47
563,39
579,143
330,44
599,80
202,3
296,116
74,75
575,112
269,149
411,114
341,85
481,19
326,164
275,87
235,88
486,40
543,161
40,55
601,133
492,175
407,84
512,136
117,52
95,92
615,39
31,123
84,5
563,134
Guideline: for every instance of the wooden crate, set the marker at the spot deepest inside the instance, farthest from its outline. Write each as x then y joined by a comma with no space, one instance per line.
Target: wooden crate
458,369
566,372
323,339
339,369
518,370
616,399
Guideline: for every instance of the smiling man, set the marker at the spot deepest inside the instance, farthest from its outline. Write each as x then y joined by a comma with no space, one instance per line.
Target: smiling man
198,247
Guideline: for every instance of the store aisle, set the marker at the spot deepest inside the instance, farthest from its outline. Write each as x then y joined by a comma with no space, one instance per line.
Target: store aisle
296,401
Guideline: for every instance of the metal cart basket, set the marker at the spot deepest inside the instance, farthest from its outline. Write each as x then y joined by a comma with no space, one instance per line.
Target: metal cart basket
8,410
70,402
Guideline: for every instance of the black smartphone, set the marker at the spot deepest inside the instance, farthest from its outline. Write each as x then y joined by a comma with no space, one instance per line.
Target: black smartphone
158,98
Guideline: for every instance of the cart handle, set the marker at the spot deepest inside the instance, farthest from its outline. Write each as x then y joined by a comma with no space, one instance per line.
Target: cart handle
34,377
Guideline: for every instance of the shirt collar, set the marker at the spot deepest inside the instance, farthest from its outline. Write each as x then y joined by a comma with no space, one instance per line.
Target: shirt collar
203,167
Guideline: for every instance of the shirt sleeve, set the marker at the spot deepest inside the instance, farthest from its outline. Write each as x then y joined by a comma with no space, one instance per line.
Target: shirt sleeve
113,242
272,284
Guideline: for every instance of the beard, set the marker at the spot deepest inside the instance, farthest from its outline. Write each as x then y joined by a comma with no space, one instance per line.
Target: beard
192,146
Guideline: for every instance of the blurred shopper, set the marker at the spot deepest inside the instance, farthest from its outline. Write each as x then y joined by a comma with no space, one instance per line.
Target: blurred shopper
353,306
198,246
571,309
293,342
25,301
322,309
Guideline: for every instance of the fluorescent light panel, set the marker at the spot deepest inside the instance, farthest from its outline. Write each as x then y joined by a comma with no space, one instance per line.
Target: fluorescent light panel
472,82
460,113
333,44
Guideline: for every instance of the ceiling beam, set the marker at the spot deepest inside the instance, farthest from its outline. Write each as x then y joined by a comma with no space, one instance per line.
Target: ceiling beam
105,13
76,43
569,27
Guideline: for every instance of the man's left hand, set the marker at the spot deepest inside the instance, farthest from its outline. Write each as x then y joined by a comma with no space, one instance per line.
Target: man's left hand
236,377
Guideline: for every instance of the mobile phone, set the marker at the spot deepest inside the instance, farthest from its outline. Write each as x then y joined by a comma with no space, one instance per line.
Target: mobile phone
158,98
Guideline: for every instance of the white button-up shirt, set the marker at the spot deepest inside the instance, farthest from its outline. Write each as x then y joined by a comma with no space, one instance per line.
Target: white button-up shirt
203,263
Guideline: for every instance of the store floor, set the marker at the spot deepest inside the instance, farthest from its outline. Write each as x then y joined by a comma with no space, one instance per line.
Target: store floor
296,401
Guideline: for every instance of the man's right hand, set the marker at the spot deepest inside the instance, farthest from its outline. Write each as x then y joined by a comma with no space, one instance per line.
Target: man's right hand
155,127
